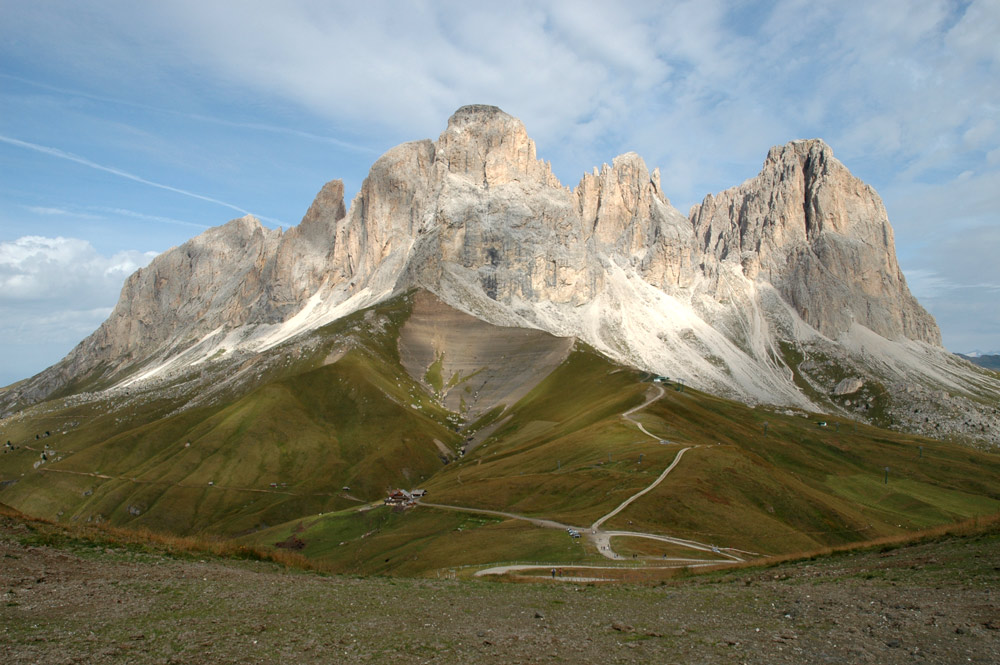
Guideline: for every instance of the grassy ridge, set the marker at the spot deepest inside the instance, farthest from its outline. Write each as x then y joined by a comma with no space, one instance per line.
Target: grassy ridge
270,463
801,485
418,541
564,452
284,449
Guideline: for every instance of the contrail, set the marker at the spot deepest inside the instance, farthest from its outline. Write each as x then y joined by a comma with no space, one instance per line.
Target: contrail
122,212
256,126
68,156
153,218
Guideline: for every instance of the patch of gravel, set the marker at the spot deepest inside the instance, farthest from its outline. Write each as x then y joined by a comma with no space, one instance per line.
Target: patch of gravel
931,603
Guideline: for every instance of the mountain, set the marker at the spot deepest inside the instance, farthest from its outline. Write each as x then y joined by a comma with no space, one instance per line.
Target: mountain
987,360
295,446
784,290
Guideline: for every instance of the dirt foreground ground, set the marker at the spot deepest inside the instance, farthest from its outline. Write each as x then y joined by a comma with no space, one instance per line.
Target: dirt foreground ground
930,603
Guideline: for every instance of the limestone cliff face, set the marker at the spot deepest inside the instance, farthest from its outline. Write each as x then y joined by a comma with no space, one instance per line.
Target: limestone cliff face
490,148
628,215
209,281
821,237
475,217
300,260
386,215
477,201
499,214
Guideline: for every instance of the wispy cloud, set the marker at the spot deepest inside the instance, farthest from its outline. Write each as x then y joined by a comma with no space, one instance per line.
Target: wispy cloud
958,281
123,212
68,156
60,212
109,212
256,126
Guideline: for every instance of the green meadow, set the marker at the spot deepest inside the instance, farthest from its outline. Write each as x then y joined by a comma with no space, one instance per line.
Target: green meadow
299,457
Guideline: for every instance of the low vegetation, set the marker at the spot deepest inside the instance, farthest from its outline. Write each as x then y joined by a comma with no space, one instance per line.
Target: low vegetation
297,464
101,596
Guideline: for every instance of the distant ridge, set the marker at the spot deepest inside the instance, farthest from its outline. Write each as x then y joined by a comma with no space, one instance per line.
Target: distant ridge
987,360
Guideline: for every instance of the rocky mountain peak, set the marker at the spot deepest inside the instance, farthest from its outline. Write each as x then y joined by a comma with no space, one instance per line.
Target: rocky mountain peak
490,147
803,149
477,113
802,251
234,230
328,206
819,235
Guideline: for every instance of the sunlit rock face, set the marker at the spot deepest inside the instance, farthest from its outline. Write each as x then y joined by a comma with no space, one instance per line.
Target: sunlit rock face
821,237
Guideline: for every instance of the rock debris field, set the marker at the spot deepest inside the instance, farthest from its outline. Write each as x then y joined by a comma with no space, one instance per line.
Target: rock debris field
936,602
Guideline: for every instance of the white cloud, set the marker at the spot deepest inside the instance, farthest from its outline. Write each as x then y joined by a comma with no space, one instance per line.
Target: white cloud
53,293
43,277
687,84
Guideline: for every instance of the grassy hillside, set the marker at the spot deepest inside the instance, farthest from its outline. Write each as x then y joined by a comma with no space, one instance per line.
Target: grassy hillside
299,446
416,542
565,453
562,452
801,484
286,448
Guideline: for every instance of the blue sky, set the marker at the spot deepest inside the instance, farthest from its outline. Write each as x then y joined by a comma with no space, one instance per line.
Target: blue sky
126,128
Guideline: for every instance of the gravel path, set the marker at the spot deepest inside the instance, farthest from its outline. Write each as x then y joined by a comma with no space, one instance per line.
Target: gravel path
624,504
599,538
649,400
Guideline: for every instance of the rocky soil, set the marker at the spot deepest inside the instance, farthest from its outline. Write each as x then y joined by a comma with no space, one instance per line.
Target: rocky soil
931,603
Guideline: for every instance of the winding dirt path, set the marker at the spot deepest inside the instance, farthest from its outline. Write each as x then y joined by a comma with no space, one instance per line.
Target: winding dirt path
601,538
513,568
603,541
624,504
649,400
548,524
